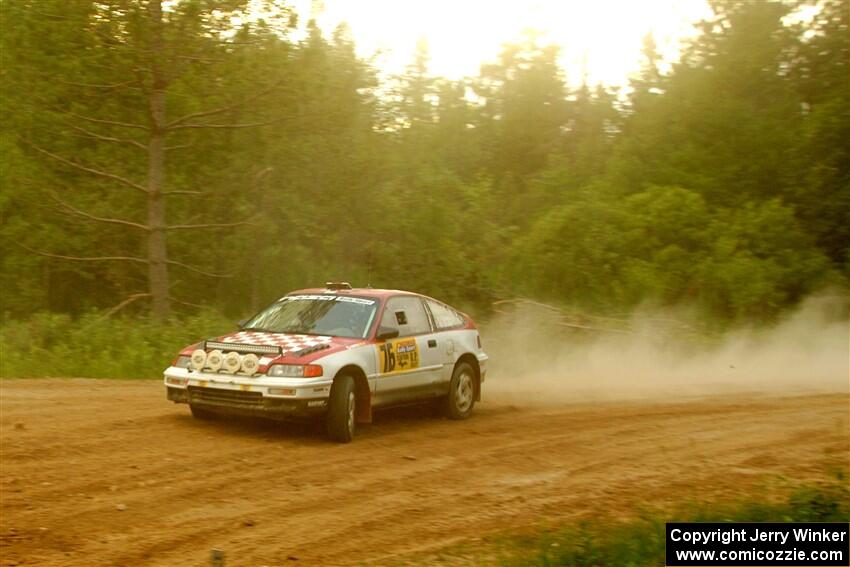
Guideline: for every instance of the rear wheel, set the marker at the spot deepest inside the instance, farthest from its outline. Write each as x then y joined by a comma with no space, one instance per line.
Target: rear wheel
461,398
201,413
341,410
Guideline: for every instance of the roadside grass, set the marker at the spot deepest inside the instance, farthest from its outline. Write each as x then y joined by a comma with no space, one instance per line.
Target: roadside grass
640,542
638,539
96,346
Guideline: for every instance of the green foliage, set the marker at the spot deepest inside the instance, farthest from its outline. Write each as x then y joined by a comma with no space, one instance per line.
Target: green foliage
98,346
724,183
641,542
665,243
759,261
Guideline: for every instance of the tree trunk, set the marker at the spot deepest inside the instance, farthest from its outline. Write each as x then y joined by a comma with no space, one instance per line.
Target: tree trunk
157,248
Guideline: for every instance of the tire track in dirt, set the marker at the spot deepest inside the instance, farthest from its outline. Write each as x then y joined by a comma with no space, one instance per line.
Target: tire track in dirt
73,451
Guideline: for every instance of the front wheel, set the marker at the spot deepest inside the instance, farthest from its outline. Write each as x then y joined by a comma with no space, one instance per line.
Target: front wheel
341,410
461,398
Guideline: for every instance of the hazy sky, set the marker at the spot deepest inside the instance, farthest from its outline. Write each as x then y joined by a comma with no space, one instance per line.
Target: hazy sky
462,34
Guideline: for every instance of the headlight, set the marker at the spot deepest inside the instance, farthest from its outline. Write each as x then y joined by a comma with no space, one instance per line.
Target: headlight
183,361
296,370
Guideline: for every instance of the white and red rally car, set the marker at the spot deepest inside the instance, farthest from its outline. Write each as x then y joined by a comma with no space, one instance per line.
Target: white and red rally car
337,352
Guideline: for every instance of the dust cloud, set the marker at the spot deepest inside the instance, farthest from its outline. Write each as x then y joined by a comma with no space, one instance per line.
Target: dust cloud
537,359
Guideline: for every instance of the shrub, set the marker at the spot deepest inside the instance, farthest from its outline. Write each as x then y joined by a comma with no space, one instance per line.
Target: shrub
96,346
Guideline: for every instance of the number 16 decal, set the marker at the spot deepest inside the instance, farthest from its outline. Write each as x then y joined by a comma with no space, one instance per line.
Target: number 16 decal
398,355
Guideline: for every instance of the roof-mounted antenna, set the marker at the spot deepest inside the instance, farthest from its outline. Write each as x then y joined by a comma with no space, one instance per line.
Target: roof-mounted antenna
369,270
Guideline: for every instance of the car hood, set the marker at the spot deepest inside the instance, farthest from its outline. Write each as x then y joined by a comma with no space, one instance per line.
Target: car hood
295,348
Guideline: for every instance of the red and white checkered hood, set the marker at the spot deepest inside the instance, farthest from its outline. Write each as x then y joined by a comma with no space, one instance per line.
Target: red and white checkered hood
291,345
287,342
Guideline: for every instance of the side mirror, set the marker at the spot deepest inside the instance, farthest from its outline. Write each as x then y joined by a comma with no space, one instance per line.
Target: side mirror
241,323
386,333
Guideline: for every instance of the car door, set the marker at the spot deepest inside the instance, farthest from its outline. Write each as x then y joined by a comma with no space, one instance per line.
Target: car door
448,325
406,368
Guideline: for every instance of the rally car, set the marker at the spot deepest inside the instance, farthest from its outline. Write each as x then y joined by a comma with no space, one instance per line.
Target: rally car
335,352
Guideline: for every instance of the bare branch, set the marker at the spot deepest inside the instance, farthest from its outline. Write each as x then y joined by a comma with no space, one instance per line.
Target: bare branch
123,304
83,258
91,170
51,16
182,192
93,86
86,215
229,43
199,58
178,147
198,270
110,122
249,125
208,225
189,303
222,109
96,136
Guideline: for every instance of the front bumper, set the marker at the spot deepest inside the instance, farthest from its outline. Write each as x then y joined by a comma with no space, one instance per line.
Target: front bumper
276,398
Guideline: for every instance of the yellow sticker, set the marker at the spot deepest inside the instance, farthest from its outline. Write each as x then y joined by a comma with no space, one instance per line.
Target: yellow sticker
202,383
398,355
245,387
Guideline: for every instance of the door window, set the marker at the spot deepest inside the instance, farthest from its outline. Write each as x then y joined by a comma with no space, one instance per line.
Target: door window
407,314
444,316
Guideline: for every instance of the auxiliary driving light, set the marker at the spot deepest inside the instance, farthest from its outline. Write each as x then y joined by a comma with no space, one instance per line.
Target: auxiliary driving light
281,391
199,359
215,360
232,362
250,364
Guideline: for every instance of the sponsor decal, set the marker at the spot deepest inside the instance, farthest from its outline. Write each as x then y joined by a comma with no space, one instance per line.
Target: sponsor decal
398,355
338,298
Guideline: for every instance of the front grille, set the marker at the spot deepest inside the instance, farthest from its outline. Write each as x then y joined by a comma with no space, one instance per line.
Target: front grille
235,398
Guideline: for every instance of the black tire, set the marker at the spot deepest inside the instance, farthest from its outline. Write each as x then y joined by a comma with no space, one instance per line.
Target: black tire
201,413
461,398
341,410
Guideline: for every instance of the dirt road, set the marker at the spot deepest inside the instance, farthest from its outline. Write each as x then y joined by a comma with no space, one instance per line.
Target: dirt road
109,473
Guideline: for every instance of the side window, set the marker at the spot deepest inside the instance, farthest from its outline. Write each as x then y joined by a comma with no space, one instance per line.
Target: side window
407,314
444,317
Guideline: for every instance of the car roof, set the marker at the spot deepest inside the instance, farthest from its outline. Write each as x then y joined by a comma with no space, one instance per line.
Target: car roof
361,291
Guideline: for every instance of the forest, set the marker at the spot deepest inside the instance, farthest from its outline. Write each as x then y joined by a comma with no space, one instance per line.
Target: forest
163,159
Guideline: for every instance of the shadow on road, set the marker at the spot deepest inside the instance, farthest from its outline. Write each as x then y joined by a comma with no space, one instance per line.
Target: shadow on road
384,421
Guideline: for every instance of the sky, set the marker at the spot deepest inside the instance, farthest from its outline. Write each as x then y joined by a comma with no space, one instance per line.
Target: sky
601,39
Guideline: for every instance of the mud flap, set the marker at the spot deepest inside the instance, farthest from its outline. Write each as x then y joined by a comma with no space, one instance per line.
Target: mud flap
363,409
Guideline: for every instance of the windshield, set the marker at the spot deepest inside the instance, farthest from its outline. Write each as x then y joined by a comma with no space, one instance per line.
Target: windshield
333,315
